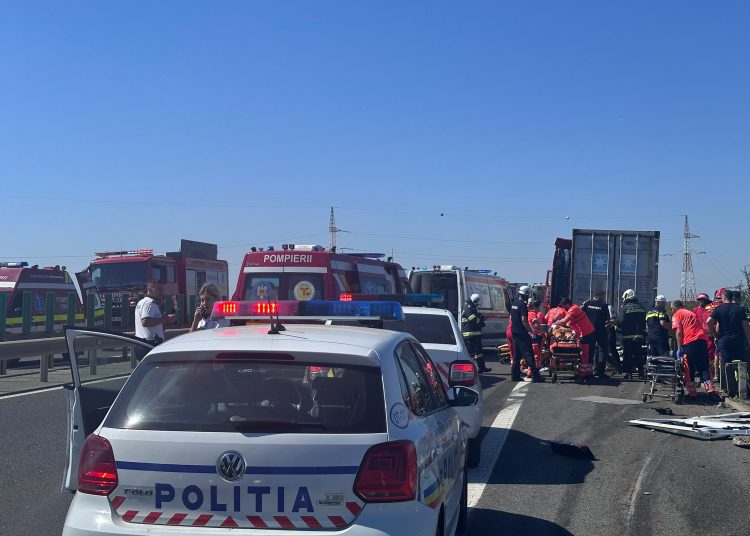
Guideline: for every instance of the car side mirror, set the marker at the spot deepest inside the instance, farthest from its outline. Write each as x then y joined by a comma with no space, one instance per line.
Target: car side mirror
461,397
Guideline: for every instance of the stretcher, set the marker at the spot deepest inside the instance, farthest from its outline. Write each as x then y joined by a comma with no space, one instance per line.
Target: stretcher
666,373
565,357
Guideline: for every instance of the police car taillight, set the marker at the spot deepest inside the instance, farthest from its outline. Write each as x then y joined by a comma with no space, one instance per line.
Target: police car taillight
388,473
346,296
462,373
97,472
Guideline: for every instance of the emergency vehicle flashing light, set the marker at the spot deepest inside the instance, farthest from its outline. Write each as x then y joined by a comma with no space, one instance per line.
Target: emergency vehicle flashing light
22,264
312,310
105,254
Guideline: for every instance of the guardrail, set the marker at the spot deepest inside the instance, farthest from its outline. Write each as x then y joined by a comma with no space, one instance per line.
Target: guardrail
30,321
46,348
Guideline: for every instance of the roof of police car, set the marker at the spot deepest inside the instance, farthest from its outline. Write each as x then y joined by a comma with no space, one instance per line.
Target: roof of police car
296,337
416,310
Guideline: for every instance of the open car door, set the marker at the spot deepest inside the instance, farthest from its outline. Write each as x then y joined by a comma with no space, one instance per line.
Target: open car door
100,363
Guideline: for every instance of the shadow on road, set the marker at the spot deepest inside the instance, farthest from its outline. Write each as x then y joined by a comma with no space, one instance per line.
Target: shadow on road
537,464
494,522
488,381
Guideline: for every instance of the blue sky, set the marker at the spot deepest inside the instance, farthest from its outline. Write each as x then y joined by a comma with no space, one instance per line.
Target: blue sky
471,133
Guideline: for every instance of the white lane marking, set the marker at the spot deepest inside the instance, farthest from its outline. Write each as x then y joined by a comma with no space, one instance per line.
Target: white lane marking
47,389
607,400
492,445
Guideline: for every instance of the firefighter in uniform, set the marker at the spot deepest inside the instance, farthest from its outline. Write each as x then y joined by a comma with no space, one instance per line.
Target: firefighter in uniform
632,323
522,333
472,322
657,325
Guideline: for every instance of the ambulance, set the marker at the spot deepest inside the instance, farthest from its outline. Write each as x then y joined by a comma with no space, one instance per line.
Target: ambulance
458,284
310,272
125,273
17,278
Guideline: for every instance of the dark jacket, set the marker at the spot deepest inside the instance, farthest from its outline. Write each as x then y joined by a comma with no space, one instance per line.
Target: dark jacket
632,319
654,317
472,321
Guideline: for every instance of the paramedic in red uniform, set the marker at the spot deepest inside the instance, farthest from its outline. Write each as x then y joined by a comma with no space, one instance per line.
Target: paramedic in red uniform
692,346
537,323
521,335
577,320
703,311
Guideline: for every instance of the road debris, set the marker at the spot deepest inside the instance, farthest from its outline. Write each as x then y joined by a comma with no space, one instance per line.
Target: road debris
703,427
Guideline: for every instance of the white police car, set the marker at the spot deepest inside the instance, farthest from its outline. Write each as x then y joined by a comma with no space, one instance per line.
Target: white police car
246,430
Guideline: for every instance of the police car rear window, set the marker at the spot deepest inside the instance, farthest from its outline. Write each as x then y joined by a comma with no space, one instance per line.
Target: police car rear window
427,329
251,396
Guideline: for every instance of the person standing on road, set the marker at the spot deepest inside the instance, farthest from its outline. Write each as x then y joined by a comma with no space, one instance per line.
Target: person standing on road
149,320
537,323
632,322
597,310
657,326
577,320
472,322
728,324
522,337
203,318
692,347
703,311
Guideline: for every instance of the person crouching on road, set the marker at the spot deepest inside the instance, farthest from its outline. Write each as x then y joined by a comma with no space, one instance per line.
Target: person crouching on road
522,335
472,322
632,323
692,346
577,320
149,320
203,318
657,325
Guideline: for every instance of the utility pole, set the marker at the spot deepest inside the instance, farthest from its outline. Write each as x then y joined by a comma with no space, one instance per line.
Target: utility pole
687,281
332,229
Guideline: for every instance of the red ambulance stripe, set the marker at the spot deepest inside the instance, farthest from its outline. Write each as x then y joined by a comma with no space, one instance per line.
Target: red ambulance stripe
312,522
117,502
354,508
176,519
229,522
284,522
257,522
202,520
337,521
129,515
152,517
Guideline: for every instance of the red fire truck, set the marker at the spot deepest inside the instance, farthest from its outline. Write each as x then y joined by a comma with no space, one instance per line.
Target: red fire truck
310,272
16,278
125,274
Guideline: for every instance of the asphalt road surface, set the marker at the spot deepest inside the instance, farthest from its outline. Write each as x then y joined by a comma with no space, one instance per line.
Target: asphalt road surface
642,482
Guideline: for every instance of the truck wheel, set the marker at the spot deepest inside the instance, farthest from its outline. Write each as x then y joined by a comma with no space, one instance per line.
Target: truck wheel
474,452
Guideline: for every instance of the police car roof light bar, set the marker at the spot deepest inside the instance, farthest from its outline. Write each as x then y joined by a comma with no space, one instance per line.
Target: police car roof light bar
403,299
21,264
310,310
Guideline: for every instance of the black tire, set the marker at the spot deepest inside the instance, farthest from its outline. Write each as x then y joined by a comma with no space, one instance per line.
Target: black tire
474,452
463,507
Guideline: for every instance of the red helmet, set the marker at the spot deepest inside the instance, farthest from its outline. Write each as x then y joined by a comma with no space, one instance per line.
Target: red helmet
702,296
718,294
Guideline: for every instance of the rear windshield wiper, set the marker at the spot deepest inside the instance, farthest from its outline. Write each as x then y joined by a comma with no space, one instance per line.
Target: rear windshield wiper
242,424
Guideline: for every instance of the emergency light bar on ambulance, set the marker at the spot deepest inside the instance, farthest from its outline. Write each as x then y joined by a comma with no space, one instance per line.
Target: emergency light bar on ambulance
403,299
308,310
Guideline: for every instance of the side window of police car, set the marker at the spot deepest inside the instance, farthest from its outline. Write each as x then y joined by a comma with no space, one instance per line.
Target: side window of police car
418,394
433,377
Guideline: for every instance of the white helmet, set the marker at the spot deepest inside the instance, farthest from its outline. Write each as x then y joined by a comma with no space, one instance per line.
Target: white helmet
628,294
475,298
525,290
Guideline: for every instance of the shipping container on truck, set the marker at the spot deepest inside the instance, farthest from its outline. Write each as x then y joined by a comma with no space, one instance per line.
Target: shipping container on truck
125,274
311,272
458,284
609,260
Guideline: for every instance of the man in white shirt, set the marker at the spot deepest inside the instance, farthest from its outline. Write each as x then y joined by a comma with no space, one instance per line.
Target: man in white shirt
149,321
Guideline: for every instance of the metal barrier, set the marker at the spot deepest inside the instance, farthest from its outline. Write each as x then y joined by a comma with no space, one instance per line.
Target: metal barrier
45,349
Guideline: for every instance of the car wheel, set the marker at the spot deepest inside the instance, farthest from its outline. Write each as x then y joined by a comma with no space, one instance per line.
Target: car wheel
463,507
474,452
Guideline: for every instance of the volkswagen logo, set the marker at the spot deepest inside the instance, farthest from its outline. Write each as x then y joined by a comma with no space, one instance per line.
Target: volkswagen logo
230,465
